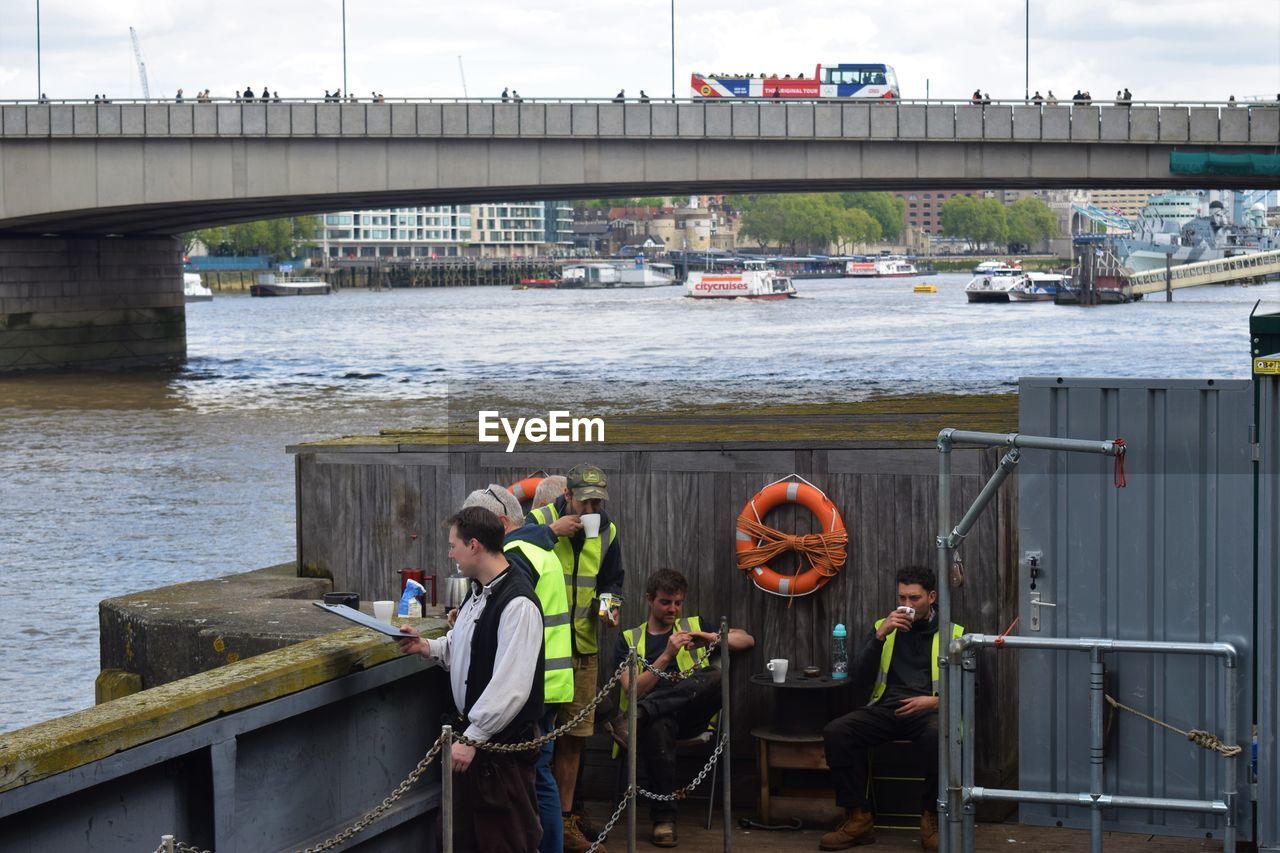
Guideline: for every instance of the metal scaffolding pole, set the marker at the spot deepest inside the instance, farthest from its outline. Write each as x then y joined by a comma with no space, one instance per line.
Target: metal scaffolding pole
726,786
446,787
633,675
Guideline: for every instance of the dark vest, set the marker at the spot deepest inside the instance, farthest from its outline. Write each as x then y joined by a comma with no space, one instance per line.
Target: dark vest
484,649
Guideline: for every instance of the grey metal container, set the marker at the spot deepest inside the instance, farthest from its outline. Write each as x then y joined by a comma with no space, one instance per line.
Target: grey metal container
1168,558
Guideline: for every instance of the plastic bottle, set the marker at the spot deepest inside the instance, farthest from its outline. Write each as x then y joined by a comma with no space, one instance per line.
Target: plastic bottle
839,652
409,604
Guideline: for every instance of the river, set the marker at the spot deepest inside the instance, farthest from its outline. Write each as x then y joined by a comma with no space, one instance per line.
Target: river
115,483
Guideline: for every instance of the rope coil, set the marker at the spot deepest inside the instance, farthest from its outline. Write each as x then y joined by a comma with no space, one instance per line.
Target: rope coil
757,543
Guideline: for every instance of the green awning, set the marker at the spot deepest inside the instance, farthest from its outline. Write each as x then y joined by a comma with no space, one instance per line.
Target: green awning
1208,163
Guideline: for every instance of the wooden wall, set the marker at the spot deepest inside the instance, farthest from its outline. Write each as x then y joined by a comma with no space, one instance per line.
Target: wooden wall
359,508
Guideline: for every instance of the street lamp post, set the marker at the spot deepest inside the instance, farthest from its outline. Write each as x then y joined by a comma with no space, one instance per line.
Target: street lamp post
39,76
345,89
673,49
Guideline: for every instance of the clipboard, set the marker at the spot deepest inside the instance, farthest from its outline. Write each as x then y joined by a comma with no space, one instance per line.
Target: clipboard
362,619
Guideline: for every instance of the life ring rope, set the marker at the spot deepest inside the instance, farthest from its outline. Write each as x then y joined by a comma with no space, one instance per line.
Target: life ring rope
757,543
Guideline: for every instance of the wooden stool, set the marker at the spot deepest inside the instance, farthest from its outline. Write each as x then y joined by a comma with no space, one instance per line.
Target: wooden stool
784,750
893,786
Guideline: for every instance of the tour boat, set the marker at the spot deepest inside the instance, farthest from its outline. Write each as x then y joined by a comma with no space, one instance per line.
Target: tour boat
995,284
886,267
269,285
1039,287
753,281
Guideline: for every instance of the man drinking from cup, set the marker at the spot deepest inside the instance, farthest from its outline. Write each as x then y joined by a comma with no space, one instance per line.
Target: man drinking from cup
587,547
899,662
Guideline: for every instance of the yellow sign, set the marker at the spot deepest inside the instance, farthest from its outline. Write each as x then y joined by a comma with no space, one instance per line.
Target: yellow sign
1269,366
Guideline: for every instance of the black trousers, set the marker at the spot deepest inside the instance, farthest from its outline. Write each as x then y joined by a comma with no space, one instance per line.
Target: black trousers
495,809
666,715
850,738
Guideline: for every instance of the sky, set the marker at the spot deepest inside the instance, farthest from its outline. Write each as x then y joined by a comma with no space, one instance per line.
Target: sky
1189,50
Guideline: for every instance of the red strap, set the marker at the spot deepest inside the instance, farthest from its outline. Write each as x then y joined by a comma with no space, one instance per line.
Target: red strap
1012,625
1119,475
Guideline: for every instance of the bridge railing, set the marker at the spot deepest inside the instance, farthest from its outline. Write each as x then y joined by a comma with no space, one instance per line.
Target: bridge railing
1206,123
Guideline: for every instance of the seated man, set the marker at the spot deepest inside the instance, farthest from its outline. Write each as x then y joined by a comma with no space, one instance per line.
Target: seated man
899,661
667,711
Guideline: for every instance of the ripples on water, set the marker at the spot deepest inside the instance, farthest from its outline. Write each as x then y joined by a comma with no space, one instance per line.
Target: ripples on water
118,483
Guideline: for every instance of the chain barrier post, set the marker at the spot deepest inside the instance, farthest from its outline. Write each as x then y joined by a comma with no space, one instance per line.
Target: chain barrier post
726,778
633,676
166,843
446,787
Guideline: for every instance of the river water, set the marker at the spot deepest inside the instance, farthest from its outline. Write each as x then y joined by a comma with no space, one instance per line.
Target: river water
119,483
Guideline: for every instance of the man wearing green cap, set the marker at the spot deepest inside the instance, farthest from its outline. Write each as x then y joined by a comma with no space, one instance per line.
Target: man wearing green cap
592,567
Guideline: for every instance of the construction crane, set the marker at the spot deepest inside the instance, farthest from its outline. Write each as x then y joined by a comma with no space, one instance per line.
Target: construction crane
142,66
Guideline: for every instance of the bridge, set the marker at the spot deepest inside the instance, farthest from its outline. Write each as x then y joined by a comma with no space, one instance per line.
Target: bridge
1256,266
90,194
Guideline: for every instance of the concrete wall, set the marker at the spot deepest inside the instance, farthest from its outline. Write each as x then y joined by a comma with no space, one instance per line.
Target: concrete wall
96,302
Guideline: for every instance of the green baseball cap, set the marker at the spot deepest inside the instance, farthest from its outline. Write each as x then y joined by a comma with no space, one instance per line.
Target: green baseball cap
587,483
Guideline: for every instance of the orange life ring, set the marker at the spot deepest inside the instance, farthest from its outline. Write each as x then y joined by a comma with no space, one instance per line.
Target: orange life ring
524,489
752,515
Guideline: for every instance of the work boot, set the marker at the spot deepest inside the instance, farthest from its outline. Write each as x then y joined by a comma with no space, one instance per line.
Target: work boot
574,839
929,830
857,827
664,834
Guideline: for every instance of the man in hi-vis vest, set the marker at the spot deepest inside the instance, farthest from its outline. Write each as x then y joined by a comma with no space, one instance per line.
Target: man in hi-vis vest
668,712
529,547
899,662
592,566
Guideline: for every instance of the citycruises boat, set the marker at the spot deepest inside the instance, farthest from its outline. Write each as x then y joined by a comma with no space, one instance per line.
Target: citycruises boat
1040,287
754,281
886,267
995,284
193,290
269,285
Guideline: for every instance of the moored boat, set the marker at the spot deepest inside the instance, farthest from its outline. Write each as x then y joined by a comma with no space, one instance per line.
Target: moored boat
1039,287
590,275
753,281
269,285
193,290
995,284
647,275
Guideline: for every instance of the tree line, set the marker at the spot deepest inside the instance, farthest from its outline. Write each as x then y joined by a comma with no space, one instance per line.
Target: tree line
274,238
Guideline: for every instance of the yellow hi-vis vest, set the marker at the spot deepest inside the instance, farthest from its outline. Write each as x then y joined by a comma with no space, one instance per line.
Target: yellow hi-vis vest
557,648
886,655
580,578
684,660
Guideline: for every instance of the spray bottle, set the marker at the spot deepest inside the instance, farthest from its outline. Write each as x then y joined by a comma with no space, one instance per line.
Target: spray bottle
409,604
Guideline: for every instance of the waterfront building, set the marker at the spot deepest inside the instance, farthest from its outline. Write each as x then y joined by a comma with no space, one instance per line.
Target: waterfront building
404,234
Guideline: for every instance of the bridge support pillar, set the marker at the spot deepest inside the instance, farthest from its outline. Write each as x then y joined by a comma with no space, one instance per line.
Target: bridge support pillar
91,303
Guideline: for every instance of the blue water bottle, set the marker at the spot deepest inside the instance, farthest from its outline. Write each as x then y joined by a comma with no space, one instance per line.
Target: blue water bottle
839,652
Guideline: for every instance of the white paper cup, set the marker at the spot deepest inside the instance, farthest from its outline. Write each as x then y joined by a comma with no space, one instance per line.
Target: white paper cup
778,666
382,610
591,525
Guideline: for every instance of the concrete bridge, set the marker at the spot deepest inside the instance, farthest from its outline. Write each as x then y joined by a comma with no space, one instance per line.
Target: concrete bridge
90,192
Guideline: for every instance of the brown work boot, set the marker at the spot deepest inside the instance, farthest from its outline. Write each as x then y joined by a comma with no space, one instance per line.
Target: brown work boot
857,827
664,834
929,830
574,839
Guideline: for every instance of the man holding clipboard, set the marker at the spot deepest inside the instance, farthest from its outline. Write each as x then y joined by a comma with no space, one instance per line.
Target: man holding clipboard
495,661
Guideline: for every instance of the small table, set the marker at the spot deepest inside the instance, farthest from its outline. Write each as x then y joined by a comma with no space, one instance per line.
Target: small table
794,741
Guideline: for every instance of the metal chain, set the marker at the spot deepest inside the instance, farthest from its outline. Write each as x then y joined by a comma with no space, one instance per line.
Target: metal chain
681,793
608,827
169,846
676,677
539,742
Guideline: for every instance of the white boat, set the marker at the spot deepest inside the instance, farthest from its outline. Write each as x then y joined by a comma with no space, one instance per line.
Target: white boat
987,266
1039,287
590,275
754,281
995,284
193,290
886,267
647,275
269,285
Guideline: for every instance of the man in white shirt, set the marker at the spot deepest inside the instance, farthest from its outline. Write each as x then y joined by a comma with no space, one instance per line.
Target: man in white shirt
495,662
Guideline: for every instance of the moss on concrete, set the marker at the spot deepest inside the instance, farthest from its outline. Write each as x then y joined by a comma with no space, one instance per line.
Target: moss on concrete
58,745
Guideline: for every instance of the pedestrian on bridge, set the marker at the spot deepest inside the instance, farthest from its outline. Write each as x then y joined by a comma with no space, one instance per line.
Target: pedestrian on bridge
504,95
620,97
644,99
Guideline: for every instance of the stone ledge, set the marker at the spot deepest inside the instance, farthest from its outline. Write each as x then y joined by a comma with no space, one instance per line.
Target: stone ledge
56,746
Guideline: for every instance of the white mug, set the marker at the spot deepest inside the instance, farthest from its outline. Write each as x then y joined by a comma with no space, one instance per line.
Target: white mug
591,525
383,610
778,666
